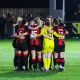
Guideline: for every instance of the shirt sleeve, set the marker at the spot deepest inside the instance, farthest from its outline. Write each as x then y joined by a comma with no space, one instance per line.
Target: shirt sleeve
42,32
16,29
26,30
56,34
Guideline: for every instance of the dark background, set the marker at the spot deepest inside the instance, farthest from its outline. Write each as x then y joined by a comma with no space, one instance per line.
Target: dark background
70,9
24,4
59,4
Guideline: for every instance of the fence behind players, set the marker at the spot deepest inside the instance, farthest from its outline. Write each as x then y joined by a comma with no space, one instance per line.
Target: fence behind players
20,11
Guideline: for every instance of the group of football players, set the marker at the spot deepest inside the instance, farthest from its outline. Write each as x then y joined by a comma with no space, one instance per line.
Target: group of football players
39,44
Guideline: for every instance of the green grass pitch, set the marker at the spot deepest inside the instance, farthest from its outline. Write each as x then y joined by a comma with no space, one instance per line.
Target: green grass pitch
72,66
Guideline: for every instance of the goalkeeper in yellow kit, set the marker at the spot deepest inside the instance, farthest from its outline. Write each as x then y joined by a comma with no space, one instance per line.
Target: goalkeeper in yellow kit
48,43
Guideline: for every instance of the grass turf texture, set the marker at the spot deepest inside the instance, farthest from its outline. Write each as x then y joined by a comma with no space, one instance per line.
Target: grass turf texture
72,66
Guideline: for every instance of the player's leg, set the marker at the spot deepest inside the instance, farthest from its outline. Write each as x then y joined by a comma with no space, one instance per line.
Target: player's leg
50,50
24,49
56,59
15,59
45,60
25,60
39,56
56,56
62,61
30,57
19,59
49,59
30,60
45,54
33,53
14,44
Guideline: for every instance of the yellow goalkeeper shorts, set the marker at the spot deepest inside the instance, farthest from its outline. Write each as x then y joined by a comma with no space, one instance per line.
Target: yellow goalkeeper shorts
48,46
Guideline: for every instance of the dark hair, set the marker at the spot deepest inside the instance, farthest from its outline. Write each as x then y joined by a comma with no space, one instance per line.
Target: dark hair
61,24
47,22
55,21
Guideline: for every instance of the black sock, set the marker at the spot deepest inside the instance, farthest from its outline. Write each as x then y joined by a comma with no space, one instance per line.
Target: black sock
15,61
25,61
54,63
62,61
40,63
19,59
30,62
34,63
58,61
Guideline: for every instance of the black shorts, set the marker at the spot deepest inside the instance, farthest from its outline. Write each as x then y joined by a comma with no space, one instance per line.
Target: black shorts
14,44
22,46
37,48
59,48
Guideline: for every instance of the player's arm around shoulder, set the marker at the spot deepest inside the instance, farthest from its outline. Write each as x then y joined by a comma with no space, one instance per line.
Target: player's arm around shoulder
42,32
57,35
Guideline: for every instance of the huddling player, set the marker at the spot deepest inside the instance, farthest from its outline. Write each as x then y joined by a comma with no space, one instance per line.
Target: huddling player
59,44
39,40
21,45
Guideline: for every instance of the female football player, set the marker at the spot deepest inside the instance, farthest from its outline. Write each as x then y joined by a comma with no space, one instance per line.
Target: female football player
48,43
